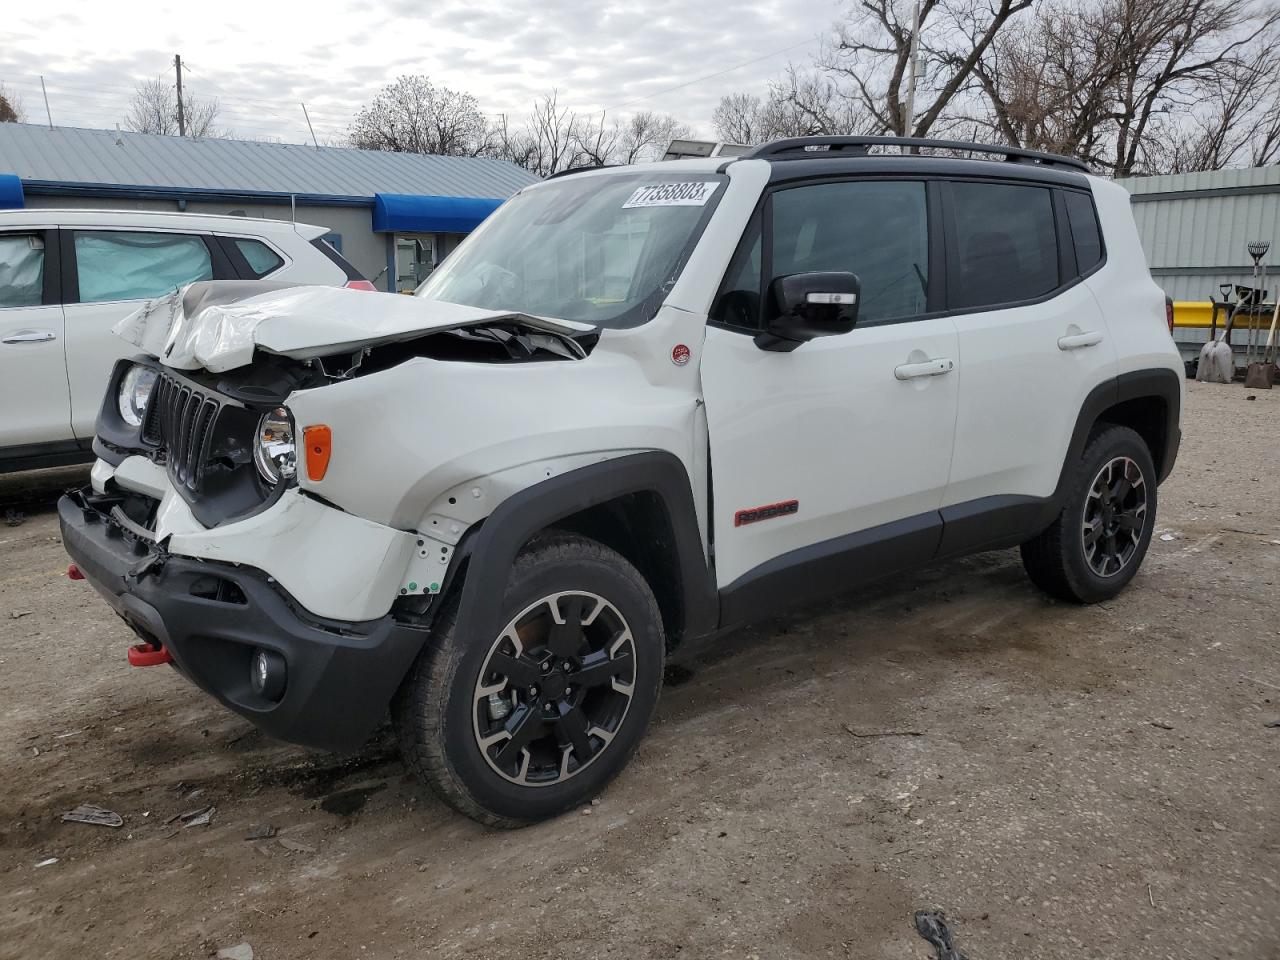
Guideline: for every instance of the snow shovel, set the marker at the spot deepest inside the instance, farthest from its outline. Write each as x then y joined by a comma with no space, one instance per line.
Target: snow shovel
1217,362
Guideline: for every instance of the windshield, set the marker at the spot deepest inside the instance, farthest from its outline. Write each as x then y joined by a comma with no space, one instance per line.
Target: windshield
603,250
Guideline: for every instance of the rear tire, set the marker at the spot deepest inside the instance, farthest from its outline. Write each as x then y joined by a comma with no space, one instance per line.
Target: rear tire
520,727
1097,542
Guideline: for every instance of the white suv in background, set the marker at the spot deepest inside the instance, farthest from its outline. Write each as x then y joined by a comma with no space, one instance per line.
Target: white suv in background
637,408
68,276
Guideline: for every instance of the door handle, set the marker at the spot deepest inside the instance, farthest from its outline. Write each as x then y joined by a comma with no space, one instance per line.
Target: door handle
1075,341
928,368
29,336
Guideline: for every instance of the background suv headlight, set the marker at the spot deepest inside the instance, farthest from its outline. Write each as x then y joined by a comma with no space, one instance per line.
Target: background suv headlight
134,393
274,449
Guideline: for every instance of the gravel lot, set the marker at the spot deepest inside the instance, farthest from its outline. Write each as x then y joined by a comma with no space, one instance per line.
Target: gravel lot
1061,781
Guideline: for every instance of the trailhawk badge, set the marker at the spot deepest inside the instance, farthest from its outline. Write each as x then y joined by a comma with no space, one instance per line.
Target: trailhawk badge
680,354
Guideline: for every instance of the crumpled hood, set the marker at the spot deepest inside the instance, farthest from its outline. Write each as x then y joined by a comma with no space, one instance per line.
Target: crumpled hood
218,324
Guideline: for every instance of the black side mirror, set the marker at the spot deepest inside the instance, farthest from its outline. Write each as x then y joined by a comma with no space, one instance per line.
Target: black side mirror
807,305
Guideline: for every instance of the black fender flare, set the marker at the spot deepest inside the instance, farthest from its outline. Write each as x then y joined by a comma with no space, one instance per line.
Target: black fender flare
491,549
1158,382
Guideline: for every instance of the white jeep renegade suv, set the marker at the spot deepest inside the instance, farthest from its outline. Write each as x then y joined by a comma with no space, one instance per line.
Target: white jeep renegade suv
638,407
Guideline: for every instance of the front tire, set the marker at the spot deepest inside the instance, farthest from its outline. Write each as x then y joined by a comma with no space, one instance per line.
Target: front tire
528,724
1097,542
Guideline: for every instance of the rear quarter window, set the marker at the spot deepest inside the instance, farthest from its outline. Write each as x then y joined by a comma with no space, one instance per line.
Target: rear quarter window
261,259
1086,235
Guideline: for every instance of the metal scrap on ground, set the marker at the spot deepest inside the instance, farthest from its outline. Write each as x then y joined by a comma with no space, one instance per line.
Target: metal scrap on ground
96,816
932,925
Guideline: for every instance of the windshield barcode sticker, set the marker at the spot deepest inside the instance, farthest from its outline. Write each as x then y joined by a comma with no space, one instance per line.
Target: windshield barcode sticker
692,194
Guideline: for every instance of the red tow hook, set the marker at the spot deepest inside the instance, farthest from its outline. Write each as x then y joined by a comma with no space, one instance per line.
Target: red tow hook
74,573
146,655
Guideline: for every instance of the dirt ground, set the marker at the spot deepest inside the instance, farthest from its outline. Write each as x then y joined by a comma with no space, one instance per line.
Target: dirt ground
1061,781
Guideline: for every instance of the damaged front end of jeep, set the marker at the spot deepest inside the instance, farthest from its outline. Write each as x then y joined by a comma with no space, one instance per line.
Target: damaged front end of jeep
207,525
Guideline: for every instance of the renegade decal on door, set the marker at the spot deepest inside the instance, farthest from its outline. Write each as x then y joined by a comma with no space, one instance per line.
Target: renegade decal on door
756,514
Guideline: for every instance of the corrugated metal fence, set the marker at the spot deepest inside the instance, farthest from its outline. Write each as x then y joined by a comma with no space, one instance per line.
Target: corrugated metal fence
1195,228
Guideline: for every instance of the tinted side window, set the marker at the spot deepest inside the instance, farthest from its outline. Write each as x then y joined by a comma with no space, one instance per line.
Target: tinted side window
1006,244
1086,235
21,270
261,258
875,229
114,265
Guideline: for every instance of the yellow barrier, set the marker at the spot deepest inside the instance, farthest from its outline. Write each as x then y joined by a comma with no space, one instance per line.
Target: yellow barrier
1199,313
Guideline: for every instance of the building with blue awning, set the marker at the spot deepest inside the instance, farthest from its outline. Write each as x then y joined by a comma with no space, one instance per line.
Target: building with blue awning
393,215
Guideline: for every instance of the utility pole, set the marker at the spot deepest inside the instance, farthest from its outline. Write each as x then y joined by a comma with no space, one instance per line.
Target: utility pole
182,118
309,127
909,111
47,112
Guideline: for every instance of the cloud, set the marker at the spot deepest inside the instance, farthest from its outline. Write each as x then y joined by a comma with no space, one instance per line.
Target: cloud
261,60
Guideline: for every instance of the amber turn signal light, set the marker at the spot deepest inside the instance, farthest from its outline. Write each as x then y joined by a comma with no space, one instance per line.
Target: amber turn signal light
319,442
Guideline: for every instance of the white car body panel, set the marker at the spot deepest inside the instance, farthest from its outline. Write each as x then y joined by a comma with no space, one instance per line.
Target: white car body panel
1132,300
1020,394
52,390
35,405
784,426
429,439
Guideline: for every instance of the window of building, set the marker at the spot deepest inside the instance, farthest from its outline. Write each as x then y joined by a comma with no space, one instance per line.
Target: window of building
115,265
1006,244
21,270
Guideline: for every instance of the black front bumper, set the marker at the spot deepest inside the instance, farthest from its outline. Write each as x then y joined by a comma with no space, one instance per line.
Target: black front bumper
212,617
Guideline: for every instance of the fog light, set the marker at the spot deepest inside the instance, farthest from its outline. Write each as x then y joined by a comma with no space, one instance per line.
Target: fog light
267,674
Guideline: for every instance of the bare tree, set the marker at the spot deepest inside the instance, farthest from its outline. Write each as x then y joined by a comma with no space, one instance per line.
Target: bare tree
798,105
154,109
641,138
596,140
412,115
646,135
1138,86
1172,53
11,107
1049,82
550,140
867,61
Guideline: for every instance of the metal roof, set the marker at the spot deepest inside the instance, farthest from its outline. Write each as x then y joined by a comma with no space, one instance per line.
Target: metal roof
1195,227
69,155
1243,179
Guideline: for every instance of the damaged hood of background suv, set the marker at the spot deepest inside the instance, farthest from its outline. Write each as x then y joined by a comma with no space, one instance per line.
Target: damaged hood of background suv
218,324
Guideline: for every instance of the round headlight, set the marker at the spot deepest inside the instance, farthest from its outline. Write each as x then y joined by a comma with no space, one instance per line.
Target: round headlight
135,391
274,449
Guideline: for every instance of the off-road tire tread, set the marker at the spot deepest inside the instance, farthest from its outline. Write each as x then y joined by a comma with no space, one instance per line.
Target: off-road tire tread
418,709
1045,557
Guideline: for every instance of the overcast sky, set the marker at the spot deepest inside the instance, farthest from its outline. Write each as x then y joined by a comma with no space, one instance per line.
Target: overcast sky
261,58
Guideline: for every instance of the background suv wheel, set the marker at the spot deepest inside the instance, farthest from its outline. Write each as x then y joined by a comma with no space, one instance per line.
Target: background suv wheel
525,725
1096,544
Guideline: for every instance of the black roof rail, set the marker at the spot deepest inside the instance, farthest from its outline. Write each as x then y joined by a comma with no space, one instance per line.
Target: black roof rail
802,148
590,166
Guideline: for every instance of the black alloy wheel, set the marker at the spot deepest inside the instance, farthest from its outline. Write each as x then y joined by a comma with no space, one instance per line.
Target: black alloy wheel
554,689
1115,514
